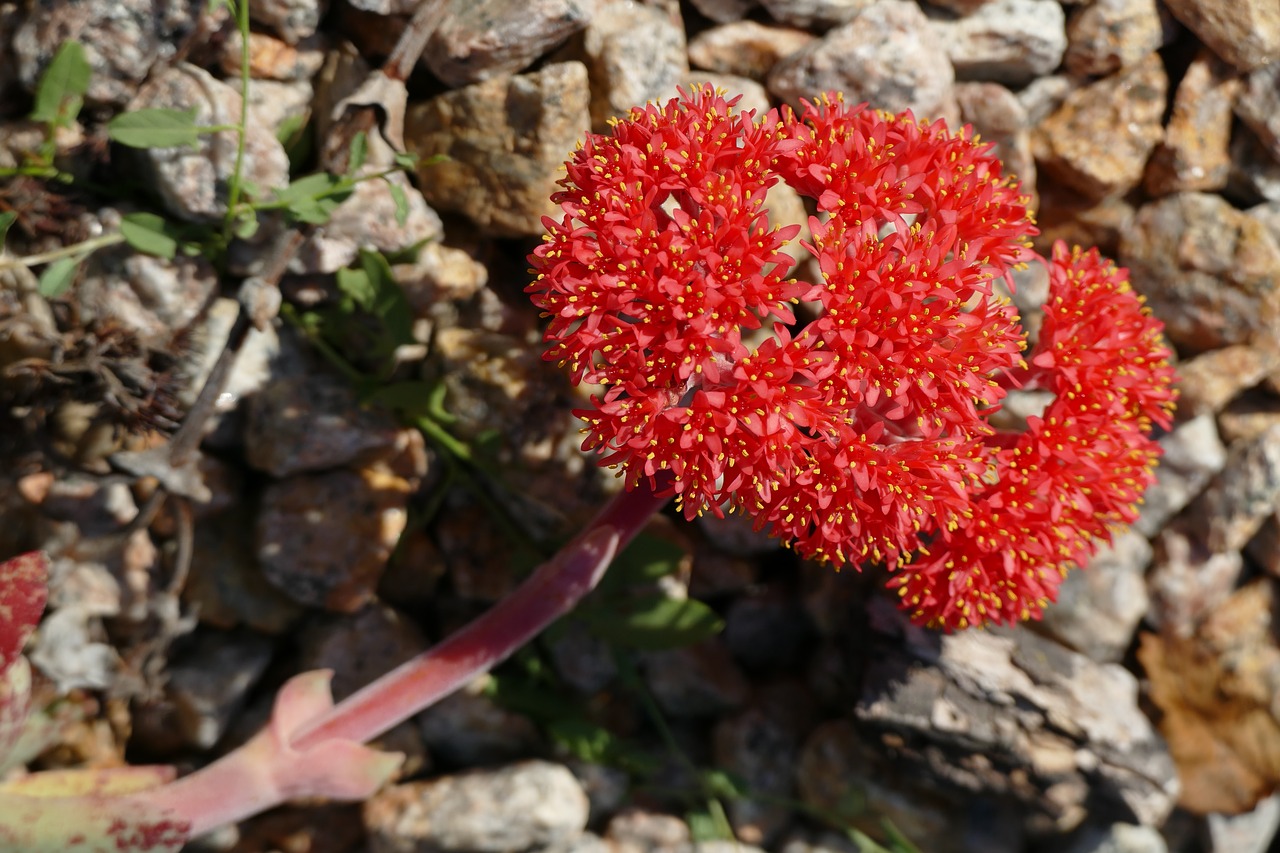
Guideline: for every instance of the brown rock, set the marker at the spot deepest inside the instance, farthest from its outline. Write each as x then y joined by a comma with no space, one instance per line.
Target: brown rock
887,56
746,48
1099,139
1065,214
1007,41
819,14
482,39
1194,153
724,11
1209,271
325,538
1108,35
1248,416
1246,33
505,140
1212,379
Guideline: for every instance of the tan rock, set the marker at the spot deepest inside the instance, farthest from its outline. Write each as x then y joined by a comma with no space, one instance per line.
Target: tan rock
635,54
1212,379
746,48
1246,33
1194,154
505,139
1108,35
1098,141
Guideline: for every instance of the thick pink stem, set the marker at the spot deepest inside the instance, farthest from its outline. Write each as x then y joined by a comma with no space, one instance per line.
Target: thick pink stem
548,594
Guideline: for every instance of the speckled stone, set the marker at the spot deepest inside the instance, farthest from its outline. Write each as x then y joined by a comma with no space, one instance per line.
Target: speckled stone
1107,35
1005,41
814,14
887,56
192,181
1254,174
470,728
634,53
1194,154
1246,33
307,423
505,140
724,11
524,806
1212,379
1098,141
692,681
1209,271
746,48
122,41
1193,454
482,39
999,117
1100,606
209,681
292,20
324,539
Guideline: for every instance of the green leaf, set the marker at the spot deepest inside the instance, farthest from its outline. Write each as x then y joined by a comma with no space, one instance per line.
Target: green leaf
357,153
406,161
57,277
584,740
411,398
6,219
646,559
60,93
654,623
356,284
401,201
149,234
313,198
246,225
389,302
703,827
156,128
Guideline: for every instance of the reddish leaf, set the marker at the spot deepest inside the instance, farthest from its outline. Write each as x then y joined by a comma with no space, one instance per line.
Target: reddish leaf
23,591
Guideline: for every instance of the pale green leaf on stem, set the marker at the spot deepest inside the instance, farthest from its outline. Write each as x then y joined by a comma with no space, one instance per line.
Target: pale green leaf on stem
401,202
60,93
156,128
149,234
57,277
357,152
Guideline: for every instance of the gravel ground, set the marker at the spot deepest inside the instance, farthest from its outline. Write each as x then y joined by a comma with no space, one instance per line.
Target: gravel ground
294,528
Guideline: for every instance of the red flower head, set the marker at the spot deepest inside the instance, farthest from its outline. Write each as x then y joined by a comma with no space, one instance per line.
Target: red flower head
864,434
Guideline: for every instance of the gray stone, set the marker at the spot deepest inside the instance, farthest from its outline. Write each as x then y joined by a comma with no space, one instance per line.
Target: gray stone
1107,35
530,805
814,14
1118,838
1194,154
1098,141
1209,271
768,629
583,660
1245,33
1259,106
1229,512
469,728
505,139
151,298
1043,96
1188,580
279,104
1010,714
1254,174
746,48
1248,416
209,681
692,681
292,20
481,39
1193,454
1005,41
887,56
634,54
122,41
299,424
192,181
1100,606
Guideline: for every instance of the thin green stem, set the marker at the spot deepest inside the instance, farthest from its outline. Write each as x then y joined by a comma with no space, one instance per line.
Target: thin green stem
74,250
233,192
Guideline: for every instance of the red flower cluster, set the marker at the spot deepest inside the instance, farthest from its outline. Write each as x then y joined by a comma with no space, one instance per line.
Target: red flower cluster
864,434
